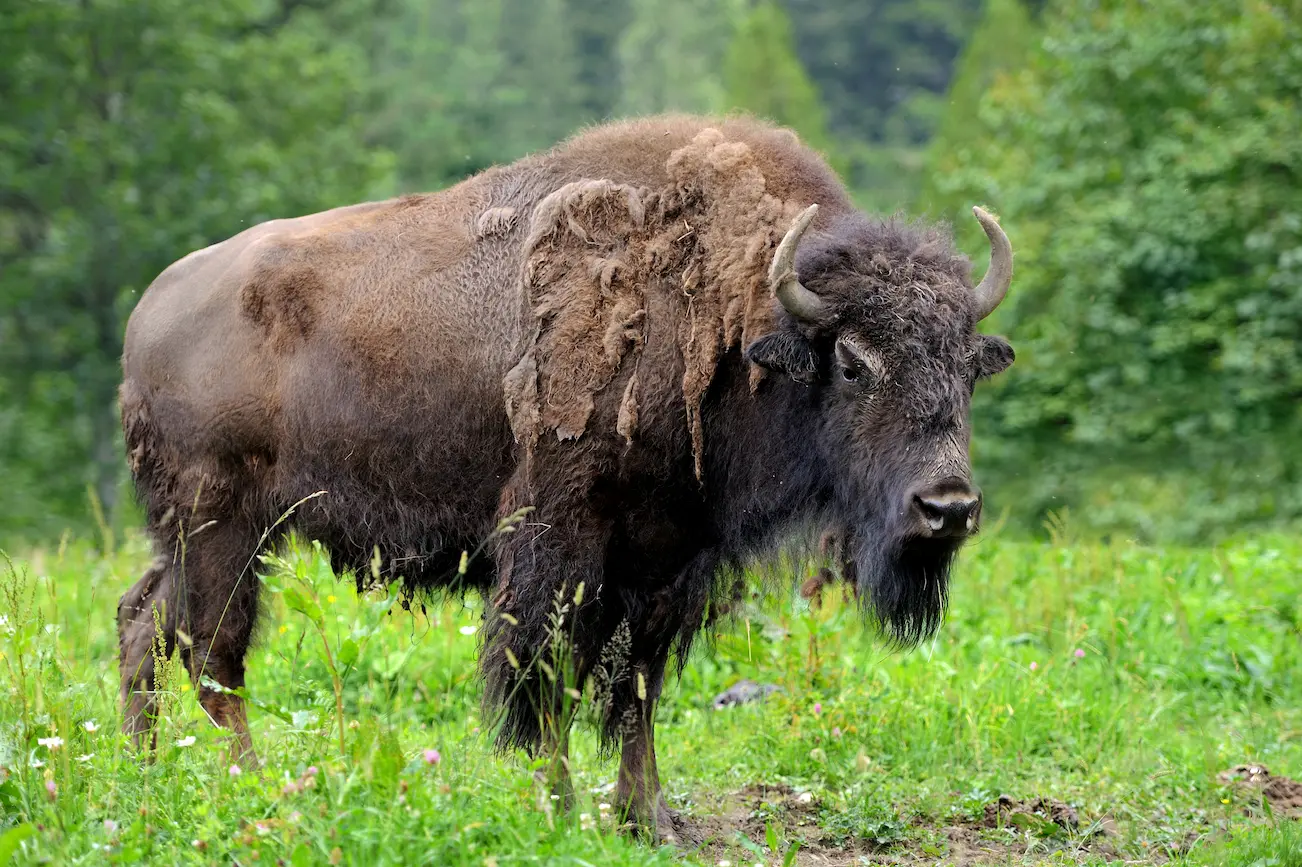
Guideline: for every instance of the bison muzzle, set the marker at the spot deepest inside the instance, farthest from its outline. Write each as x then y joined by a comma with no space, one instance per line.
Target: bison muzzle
671,344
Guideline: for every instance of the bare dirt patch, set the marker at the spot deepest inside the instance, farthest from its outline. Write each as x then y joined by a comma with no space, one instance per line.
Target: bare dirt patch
1040,813
717,831
1283,795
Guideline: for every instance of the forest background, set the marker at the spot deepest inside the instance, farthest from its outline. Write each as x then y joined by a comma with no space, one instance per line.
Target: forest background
1142,155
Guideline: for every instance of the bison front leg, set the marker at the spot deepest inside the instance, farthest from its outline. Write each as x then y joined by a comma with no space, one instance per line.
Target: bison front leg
536,633
638,792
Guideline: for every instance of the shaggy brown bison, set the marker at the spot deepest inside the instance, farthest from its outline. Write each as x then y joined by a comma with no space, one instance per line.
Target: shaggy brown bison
673,340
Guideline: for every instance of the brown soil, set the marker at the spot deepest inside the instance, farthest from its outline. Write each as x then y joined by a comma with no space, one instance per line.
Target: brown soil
1006,811
712,834
1284,795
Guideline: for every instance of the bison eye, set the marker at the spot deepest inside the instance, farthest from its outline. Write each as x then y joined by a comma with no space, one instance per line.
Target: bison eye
854,362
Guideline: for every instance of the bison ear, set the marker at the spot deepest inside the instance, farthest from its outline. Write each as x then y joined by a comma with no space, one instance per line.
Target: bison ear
994,355
785,352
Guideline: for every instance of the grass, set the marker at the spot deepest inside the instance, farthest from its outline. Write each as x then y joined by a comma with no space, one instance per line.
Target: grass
1119,680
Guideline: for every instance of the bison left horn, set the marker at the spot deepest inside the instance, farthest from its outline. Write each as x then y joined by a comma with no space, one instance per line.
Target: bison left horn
994,286
798,301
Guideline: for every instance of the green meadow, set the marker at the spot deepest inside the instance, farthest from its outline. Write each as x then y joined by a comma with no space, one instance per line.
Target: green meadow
1079,706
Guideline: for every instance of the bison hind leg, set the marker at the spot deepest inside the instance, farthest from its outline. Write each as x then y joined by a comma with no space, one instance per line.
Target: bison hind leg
200,598
146,638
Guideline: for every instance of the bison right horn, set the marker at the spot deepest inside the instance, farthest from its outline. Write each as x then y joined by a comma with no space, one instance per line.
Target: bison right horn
798,301
994,286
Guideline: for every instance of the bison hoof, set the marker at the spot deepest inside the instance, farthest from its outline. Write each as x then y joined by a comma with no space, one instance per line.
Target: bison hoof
664,828
667,827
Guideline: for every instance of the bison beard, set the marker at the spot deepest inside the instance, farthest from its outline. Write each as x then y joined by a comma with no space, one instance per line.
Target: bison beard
561,339
904,583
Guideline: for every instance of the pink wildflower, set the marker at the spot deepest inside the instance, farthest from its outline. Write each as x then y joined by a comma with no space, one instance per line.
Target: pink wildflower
818,708
1080,654
1034,666
51,788
432,757
235,770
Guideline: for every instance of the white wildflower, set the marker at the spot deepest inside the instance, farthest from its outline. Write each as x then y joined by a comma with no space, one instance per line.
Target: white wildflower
91,726
86,758
51,743
186,741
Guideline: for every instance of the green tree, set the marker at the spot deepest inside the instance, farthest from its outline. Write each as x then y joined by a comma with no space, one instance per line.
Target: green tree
882,66
596,28
670,55
1147,167
436,80
134,131
763,75
999,46
461,86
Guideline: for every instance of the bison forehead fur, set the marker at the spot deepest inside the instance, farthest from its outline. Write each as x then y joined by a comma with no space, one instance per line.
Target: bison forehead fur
587,338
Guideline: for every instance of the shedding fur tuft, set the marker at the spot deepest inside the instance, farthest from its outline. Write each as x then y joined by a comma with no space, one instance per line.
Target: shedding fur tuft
595,253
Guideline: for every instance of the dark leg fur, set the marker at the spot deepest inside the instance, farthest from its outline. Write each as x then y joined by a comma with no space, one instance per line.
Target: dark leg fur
538,571
205,591
638,793
137,634
218,610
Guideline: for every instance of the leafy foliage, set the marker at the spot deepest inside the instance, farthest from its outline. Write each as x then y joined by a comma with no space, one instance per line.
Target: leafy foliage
134,131
1146,166
1142,155
669,55
763,75
999,46
883,65
458,87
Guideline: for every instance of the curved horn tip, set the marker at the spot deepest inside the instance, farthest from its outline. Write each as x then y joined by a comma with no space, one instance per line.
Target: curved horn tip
994,286
797,300
984,216
784,256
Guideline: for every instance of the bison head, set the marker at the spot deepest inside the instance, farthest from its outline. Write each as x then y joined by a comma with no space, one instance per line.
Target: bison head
881,325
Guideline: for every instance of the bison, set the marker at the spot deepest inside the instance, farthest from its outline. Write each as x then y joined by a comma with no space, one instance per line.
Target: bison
665,348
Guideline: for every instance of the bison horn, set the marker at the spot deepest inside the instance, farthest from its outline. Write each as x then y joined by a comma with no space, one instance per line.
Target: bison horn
994,286
798,301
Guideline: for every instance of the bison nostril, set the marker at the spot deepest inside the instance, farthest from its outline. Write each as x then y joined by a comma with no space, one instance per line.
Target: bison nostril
948,514
933,513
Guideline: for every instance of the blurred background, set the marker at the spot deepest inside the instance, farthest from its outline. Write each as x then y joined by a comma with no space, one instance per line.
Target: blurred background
1143,155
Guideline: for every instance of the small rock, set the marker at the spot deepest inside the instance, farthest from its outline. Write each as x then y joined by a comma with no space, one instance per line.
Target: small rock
743,692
